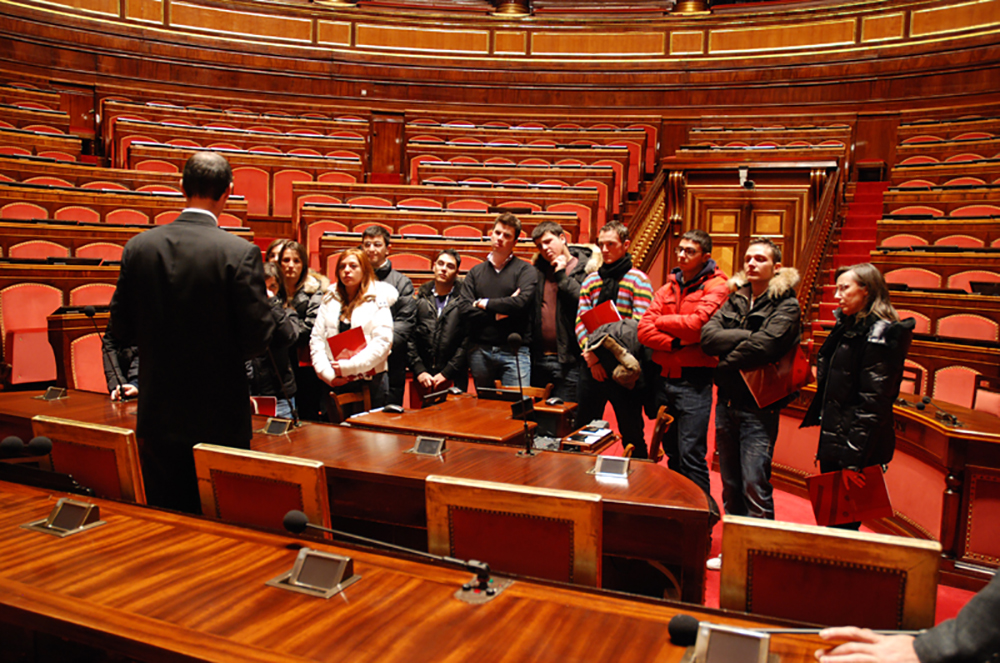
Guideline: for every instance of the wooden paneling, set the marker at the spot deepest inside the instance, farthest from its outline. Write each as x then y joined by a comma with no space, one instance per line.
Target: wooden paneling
106,7
146,11
776,38
413,38
954,17
598,43
883,27
510,43
687,43
233,22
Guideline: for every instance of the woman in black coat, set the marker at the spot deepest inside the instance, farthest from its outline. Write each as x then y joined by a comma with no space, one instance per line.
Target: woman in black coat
859,369
305,289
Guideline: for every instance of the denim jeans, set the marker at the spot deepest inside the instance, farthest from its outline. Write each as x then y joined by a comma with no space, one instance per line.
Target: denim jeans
492,362
745,438
627,404
564,378
283,410
689,401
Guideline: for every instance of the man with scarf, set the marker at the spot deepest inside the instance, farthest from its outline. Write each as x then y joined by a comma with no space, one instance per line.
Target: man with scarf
694,291
630,290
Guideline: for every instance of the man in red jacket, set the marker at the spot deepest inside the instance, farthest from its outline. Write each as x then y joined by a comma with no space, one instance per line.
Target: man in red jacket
694,291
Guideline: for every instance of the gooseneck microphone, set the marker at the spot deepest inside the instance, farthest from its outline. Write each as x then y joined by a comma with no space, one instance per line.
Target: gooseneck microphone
297,522
90,311
514,341
939,414
683,630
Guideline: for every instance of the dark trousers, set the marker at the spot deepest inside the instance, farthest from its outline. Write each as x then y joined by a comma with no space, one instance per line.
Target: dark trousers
745,437
309,391
627,404
564,378
169,475
397,376
689,401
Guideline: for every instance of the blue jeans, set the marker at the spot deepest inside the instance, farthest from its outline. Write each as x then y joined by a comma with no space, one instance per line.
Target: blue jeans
564,378
283,410
492,362
745,438
689,401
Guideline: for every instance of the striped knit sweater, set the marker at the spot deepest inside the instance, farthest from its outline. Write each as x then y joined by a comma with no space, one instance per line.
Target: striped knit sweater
635,293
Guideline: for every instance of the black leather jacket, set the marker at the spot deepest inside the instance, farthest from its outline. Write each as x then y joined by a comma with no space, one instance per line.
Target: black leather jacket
859,369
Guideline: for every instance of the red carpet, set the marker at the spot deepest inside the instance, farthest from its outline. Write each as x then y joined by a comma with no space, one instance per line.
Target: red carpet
788,508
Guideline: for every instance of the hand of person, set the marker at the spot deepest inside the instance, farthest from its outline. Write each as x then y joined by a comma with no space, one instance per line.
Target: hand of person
864,646
130,390
437,381
336,369
853,477
480,303
559,263
598,372
426,380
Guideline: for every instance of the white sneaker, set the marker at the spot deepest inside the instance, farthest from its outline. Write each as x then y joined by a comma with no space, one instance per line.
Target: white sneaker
714,564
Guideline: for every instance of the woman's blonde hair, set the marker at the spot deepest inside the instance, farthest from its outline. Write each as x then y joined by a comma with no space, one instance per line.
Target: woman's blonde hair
877,303
367,278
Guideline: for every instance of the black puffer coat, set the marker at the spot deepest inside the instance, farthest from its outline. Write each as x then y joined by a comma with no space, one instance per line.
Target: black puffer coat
438,343
859,369
746,338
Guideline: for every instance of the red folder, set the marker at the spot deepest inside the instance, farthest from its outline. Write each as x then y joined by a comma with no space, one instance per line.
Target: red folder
833,504
770,383
601,314
347,344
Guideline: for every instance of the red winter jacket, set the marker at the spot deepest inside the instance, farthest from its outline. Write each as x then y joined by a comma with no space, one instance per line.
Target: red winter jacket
672,324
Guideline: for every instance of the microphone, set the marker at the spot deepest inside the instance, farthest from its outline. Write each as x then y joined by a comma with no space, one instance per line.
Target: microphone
297,522
514,341
90,311
940,415
13,447
683,630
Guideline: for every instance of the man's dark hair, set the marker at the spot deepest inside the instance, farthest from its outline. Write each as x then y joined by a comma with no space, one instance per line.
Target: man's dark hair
546,227
616,227
453,253
699,237
206,175
376,231
511,221
766,241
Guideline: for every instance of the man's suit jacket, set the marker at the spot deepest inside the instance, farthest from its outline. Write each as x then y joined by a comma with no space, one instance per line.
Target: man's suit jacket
192,297
974,635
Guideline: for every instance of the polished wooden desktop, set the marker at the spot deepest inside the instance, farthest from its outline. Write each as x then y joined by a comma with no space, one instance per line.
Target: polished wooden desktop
158,586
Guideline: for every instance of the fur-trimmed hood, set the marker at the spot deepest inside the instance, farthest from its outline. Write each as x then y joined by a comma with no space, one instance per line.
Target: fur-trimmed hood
314,282
592,263
782,283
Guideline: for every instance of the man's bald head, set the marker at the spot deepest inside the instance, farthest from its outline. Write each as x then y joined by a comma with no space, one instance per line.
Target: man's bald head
206,175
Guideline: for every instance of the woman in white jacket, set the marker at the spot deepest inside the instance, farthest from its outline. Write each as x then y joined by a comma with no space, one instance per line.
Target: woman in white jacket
356,298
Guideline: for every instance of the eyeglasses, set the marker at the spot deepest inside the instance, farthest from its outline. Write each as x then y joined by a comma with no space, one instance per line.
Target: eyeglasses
687,250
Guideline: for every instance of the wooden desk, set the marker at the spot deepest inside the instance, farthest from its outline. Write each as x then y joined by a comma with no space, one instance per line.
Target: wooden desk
376,489
157,586
461,417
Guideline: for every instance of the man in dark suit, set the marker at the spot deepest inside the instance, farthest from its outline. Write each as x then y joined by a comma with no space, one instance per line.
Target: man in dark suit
192,298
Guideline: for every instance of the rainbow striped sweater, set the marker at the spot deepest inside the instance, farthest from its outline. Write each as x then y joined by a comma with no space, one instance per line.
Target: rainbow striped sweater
635,294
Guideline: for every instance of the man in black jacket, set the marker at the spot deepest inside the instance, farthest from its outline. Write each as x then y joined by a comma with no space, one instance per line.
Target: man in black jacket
497,299
375,242
756,326
437,347
191,297
555,352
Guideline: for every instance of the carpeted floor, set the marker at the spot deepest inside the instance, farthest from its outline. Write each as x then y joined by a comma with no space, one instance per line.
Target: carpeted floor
788,508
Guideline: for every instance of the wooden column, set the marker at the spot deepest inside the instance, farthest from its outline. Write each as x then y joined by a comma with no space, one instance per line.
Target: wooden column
388,133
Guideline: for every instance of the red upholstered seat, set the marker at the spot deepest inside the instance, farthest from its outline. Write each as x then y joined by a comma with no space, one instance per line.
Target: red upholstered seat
77,213
915,277
253,184
968,326
92,294
47,180
156,166
964,241
23,211
23,311
283,179
87,364
38,248
922,321
955,384
126,217
461,231
410,261
963,280
904,240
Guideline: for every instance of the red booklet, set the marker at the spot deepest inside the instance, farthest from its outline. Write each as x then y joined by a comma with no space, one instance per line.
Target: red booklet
833,504
601,314
770,383
347,344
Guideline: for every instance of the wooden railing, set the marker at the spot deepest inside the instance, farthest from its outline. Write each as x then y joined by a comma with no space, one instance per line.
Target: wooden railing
648,226
817,246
